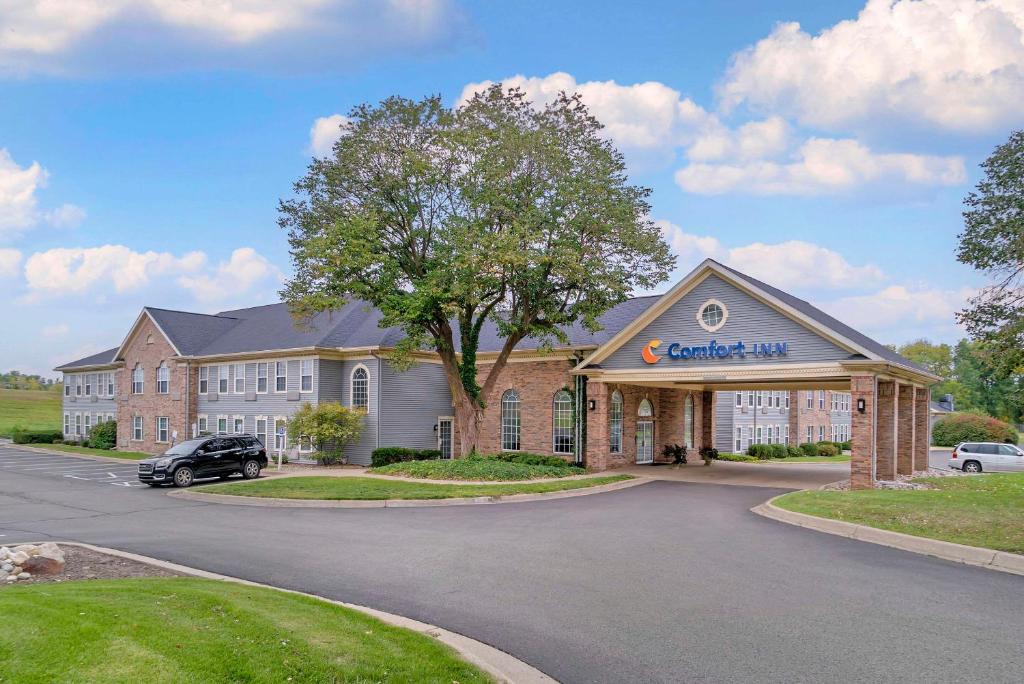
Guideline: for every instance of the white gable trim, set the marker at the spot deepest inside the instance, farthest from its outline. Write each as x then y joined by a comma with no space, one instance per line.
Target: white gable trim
134,329
694,278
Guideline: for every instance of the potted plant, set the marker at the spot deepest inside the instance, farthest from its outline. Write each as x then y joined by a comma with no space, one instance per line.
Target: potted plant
709,454
676,452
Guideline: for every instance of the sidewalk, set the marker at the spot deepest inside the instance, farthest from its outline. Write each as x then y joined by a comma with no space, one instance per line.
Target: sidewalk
779,475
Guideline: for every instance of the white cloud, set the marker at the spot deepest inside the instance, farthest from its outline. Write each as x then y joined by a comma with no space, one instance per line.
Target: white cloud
76,270
324,133
821,166
55,330
242,272
753,140
66,216
956,64
18,185
10,261
61,36
899,313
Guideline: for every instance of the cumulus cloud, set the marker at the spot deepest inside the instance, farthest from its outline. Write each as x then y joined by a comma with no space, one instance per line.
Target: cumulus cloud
55,330
76,270
87,35
245,270
821,166
66,216
903,312
324,133
10,261
955,64
19,205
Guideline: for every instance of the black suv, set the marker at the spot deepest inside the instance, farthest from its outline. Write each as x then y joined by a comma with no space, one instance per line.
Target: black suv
216,456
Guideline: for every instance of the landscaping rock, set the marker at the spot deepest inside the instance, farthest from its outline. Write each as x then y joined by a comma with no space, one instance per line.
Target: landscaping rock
6,567
44,565
26,561
24,576
19,557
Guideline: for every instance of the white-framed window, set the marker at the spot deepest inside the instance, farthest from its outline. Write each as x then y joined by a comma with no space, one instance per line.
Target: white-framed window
759,433
739,440
202,424
305,444
67,423
222,424
821,433
101,384
760,399
615,441
688,421
204,379
809,396
78,385
360,388
712,315
821,399
138,379
810,434
137,428
280,433
239,378
645,409
739,399
787,400
281,376
87,424
306,375
238,425
261,378
785,434
67,386
510,423
88,385
562,431
261,430
750,399
163,379
768,434
223,384
110,384
162,429
750,435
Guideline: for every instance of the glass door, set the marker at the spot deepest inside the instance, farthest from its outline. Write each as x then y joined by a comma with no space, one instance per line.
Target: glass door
444,436
645,441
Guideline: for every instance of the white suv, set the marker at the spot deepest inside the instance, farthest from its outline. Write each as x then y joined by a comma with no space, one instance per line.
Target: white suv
977,457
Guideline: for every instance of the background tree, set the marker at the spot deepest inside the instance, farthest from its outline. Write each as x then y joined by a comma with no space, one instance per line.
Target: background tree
993,242
447,219
329,427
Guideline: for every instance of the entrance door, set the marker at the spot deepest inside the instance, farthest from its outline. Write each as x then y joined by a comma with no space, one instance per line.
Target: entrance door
444,436
644,441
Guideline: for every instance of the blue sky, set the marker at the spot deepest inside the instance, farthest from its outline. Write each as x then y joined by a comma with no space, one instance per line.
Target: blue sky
824,147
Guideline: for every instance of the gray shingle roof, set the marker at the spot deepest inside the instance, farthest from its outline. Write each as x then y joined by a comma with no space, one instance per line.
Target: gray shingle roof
190,332
823,318
101,359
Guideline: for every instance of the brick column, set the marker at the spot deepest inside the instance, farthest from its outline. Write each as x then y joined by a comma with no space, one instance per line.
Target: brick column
707,420
905,431
596,452
885,440
794,418
922,428
863,432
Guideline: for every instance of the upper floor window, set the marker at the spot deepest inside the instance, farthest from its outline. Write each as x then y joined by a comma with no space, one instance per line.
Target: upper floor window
67,386
239,378
78,386
615,444
222,380
760,399
138,379
360,388
739,399
563,423
306,375
88,385
280,376
510,425
821,399
204,379
163,379
750,399
261,378
787,401
110,384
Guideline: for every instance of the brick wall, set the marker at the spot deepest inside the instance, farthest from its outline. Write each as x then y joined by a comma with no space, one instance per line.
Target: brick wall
149,348
922,429
885,442
814,416
862,427
905,431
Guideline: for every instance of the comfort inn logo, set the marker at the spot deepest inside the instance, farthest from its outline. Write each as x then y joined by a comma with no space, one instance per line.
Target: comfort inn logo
650,356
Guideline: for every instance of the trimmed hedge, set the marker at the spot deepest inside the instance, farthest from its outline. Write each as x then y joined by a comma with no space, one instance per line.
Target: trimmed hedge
19,436
739,458
809,449
765,451
385,455
968,427
527,458
827,450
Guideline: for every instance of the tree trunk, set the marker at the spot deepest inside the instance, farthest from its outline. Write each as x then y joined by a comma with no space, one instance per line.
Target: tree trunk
468,417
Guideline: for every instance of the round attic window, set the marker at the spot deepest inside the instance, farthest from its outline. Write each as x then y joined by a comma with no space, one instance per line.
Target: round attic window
712,315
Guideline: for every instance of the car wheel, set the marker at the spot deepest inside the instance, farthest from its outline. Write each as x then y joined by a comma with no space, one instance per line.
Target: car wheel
972,467
251,470
183,477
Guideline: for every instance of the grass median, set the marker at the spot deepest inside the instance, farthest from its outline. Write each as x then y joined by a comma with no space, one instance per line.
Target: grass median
109,453
981,510
376,488
195,630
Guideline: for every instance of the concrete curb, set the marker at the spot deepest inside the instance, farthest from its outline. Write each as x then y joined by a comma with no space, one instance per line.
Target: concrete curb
500,665
960,553
91,457
267,502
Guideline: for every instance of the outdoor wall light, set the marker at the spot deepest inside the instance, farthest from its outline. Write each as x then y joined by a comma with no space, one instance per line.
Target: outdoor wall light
592,404
861,404
435,427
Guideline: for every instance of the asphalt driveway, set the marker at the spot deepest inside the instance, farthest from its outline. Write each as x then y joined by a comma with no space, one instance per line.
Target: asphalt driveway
666,582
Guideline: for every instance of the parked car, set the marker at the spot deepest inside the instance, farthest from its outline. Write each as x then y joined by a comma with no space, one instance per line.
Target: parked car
215,456
979,457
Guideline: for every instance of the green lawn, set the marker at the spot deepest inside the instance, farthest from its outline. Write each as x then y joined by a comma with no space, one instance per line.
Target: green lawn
30,409
981,510
195,630
72,449
375,488
476,468
845,458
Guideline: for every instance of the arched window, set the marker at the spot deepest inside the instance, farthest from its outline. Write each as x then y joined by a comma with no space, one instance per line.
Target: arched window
615,442
688,421
562,415
510,426
163,379
360,388
138,379
645,410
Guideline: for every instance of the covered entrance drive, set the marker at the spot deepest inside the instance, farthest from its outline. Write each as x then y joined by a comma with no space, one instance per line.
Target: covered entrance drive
654,383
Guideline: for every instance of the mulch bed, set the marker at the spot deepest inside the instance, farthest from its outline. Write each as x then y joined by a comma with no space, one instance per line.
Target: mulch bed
86,564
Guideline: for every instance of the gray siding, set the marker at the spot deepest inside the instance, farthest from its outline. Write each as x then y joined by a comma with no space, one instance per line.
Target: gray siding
411,403
94,405
359,452
749,321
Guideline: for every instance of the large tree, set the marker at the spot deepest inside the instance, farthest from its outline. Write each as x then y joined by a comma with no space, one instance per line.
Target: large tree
993,242
448,219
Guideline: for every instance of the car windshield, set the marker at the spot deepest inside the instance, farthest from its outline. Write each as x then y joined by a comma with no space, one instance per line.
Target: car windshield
185,448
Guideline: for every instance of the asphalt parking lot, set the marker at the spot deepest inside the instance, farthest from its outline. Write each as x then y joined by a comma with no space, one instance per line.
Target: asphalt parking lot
15,460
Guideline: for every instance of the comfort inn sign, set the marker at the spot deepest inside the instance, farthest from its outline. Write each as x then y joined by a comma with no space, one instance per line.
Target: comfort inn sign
714,350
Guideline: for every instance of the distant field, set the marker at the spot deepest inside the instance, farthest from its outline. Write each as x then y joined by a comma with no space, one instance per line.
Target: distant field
32,410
